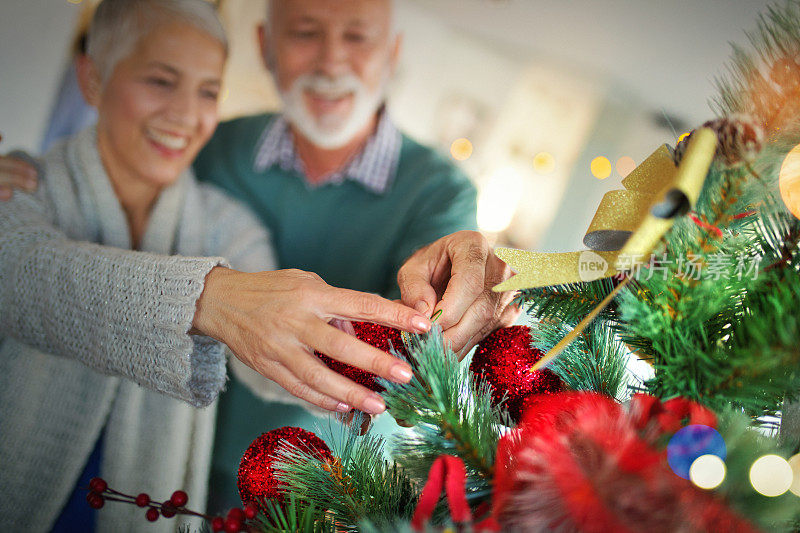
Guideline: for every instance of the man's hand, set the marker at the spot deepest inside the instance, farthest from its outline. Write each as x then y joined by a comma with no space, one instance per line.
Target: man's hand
456,274
15,174
273,322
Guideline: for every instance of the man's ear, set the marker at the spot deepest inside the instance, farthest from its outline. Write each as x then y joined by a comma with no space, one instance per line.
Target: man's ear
88,79
394,53
262,33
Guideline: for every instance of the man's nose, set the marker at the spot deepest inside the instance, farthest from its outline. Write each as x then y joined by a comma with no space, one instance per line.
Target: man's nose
334,56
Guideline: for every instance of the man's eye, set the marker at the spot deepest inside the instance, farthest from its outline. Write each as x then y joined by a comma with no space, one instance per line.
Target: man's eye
355,37
159,82
304,34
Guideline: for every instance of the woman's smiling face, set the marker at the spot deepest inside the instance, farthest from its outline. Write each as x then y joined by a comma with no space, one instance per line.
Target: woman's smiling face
158,107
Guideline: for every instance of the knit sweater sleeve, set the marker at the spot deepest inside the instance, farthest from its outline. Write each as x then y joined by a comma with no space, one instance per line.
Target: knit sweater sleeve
120,312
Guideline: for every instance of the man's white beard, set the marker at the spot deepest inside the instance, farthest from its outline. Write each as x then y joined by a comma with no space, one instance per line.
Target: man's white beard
332,131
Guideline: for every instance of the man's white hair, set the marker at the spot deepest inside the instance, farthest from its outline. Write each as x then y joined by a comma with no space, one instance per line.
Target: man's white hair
118,25
394,29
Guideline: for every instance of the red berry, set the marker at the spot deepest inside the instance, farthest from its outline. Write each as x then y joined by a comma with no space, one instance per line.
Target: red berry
168,510
232,525
179,498
250,511
237,514
217,524
95,500
98,484
151,514
142,500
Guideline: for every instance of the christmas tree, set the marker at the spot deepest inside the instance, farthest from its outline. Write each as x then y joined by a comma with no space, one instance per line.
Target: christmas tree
712,302
715,309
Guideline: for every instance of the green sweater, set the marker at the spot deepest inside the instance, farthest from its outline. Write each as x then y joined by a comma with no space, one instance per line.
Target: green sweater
347,234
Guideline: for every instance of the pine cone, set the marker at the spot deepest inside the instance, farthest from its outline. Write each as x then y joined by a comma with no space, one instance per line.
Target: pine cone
785,72
738,138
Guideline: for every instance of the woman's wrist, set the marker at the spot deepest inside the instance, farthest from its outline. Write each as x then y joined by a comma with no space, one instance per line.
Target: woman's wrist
208,307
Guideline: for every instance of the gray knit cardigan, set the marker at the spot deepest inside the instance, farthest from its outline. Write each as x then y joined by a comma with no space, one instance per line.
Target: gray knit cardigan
94,338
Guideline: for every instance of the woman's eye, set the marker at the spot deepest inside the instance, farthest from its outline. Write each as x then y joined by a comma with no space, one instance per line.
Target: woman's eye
209,94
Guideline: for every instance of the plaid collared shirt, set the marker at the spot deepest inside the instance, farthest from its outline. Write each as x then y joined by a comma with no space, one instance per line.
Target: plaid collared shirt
373,167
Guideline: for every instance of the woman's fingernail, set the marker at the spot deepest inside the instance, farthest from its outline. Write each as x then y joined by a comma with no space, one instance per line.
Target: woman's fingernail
342,407
421,323
401,373
374,405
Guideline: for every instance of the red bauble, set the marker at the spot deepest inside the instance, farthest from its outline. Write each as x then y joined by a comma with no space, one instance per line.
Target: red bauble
381,337
504,359
256,475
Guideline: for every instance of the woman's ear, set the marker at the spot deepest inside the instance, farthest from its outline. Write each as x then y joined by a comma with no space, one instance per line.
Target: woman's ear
88,79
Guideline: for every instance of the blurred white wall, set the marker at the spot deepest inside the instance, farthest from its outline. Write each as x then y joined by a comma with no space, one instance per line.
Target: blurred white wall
519,78
35,36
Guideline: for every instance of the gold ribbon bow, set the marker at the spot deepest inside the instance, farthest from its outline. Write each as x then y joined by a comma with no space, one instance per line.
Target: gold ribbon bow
628,224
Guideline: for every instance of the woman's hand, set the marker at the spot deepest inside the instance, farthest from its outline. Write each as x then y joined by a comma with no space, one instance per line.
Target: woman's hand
273,322
15,174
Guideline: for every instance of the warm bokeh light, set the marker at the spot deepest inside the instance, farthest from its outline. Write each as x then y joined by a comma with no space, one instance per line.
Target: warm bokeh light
794,462
771,475
498,200
707,472
225,94
544,163
789,181
683,136
601,167
625,165
461,149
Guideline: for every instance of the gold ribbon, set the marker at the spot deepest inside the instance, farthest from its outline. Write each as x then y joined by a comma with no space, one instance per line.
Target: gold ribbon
628,223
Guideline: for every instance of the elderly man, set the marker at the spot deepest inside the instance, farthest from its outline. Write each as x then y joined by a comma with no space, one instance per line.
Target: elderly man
346,195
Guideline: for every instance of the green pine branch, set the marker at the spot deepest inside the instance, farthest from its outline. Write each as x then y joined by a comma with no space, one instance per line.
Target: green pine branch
296,515
595,362
568,303
452,413
359,484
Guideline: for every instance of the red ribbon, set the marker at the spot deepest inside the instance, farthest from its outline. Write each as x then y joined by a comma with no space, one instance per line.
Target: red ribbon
705,225
447,472
669,415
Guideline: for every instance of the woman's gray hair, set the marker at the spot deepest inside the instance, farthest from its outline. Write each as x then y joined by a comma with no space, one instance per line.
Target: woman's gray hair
118,25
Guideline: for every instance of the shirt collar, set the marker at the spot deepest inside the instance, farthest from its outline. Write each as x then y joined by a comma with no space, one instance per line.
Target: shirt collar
373,167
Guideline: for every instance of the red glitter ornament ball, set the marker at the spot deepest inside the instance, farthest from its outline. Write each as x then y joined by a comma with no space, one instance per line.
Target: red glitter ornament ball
381,337
256,476
504,359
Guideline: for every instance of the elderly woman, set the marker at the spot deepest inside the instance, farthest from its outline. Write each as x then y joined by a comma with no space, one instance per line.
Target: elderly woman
153,73
79,316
